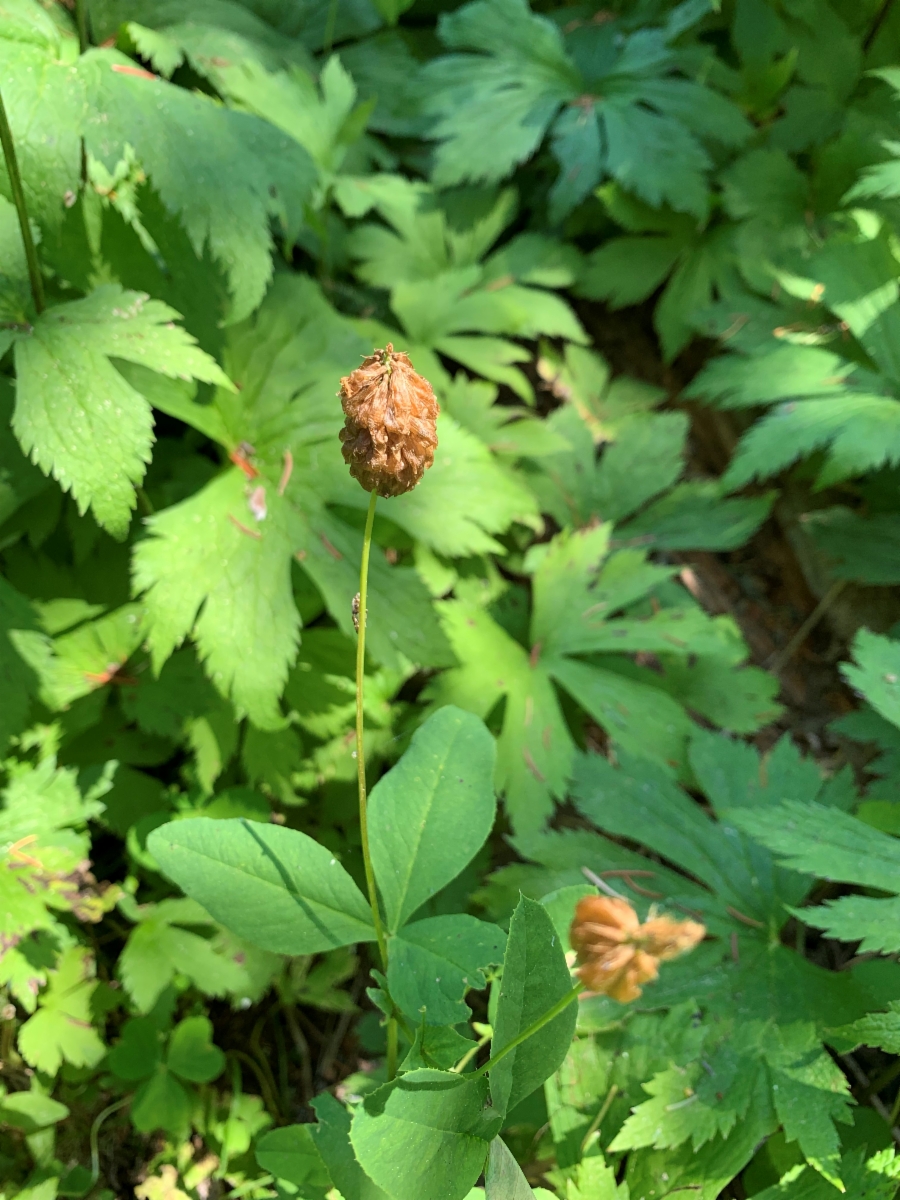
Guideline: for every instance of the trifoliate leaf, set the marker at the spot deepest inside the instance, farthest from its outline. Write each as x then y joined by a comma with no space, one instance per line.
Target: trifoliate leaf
433,962
191,1054
76,416
626,113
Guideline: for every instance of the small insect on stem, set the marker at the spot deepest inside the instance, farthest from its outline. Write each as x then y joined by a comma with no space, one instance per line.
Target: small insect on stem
354,609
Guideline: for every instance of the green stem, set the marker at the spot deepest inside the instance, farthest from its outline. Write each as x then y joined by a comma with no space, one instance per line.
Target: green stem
360,752
361,770
535,1026
392,1040
95,1136
81,18
18,194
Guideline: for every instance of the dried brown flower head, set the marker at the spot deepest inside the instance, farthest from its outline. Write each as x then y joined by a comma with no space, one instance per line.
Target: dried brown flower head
617,953
389,435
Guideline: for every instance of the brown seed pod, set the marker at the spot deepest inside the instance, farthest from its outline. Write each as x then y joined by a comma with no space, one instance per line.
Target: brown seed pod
617,953
390,434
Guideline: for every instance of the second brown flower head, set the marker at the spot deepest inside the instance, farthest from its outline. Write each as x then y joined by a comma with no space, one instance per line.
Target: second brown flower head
617,953
390,428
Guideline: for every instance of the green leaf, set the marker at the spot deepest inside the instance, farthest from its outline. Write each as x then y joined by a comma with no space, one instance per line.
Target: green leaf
161,1103
276,887
138,1053
158,949
595,1179
860,432
16,616
31,1111
871,922
810,1093
535,977
291,1153
61,1030
78,663
46,104
191,1054
503,1178
76,415
825,842
331,1134
640,719
697,516
535,748
425,1136
877,673
43,799
183,139
491,113
862,548
880,1029
464,498
738,873
432,812
432,963
211,568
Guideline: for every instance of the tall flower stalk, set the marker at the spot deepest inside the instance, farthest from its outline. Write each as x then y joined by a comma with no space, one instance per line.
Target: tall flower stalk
388,442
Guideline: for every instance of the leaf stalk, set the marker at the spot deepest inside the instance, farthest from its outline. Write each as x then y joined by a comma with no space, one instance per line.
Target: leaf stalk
18,193
544,1019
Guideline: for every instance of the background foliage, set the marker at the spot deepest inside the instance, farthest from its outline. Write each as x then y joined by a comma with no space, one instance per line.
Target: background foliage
234,200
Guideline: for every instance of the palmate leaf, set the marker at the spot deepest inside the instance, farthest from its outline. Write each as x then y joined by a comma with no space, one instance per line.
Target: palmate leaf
641,455
76,415
753,1056
325,121
448,296
578,590
61,1029
627,113
695,262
